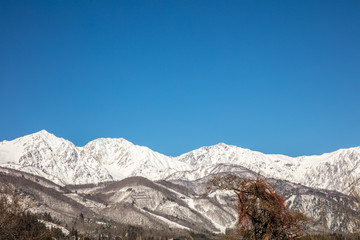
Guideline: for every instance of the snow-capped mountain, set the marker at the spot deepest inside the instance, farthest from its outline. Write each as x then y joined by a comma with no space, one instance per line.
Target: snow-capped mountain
107,159
59,160
51,157
172,194
333,171
277,166
124,159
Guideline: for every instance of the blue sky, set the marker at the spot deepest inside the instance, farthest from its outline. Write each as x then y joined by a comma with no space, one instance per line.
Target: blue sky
272,76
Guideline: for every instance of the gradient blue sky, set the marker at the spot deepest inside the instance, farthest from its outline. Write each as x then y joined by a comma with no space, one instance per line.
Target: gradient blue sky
272,76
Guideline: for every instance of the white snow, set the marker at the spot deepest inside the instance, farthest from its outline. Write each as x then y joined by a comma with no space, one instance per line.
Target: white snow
107,159
50,225
167,221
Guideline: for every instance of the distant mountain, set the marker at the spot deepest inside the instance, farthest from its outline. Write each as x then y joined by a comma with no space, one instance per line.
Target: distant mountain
108,159
51,157
333,171
123,159
100,160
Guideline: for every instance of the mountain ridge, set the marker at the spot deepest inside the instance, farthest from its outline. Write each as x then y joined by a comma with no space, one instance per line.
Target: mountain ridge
107,159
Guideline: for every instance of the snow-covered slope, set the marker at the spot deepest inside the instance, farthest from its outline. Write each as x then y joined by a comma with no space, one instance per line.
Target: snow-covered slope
277,166
59,160
107,159
333,171
51,157
124,159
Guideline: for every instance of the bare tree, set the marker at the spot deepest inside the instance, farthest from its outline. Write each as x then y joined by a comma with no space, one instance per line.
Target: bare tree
262,213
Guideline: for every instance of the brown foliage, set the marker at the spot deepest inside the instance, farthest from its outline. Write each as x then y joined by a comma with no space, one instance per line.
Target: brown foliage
262,212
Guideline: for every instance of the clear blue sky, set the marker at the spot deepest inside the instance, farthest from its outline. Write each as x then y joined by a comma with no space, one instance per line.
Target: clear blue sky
272,76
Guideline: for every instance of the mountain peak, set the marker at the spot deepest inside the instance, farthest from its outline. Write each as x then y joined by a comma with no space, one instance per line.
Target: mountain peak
45,135
221,144
42,132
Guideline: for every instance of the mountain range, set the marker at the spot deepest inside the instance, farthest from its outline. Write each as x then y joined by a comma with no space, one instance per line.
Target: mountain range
107,159
114,180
